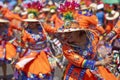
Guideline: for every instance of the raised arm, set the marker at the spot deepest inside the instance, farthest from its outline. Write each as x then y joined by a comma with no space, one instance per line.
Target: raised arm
49,28
93,20
76,59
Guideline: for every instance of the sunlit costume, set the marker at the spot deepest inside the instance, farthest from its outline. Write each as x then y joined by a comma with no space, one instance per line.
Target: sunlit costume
7,50
36,59
113,39
81,64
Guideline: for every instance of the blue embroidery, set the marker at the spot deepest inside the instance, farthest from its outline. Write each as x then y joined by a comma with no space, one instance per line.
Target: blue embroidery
88,13
84,53
35,77
69,72
36,37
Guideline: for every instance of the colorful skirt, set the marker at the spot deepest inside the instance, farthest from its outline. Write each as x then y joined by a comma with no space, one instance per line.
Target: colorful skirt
34,64
77,73
23,76
7,53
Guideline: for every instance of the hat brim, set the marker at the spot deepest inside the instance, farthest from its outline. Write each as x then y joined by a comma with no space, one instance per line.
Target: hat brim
112,18
71,30
4,21
30,20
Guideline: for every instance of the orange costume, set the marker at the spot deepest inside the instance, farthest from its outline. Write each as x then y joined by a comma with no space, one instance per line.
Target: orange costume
14,29
7,50
58,22
117,27
109,26
34,63
90,22
114,33
15,20
81,62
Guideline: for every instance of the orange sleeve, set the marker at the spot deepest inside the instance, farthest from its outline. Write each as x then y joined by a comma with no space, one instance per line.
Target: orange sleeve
24,16
72,57
15,24
49,28
10,31
41,16
93,20
117,27
26,37
109,27
60,21
77,60
100,29
95,40
9,15
53,17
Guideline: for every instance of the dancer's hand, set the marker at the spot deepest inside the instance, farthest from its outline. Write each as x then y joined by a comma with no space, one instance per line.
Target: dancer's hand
107,60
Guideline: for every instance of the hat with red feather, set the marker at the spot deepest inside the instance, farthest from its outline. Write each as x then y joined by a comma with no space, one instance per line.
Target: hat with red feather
67,9
33,10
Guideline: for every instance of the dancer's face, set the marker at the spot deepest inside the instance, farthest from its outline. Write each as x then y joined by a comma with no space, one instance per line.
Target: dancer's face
75,37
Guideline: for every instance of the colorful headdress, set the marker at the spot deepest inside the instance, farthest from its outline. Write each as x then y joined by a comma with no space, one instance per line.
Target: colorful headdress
34,9
71,28
68,8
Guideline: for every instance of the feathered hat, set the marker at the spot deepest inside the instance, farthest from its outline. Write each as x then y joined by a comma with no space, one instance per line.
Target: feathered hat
67,9
71,28
33,10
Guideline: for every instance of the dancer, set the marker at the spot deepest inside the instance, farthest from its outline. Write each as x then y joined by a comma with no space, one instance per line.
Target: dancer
79,47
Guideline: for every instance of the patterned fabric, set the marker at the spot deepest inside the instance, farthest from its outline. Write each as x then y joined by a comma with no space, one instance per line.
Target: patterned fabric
89,60
86,13
2,50
89,64
38,45
34,77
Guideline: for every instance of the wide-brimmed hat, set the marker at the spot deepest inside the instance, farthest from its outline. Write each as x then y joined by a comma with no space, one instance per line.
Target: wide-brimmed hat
112,15
73,27
30,20
3,21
